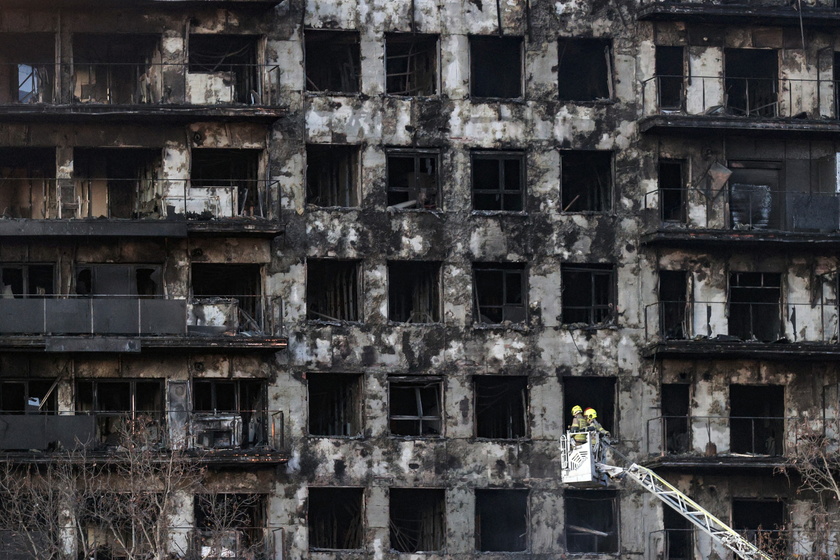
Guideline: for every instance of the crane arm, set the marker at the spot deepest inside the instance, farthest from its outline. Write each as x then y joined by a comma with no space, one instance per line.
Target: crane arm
688,508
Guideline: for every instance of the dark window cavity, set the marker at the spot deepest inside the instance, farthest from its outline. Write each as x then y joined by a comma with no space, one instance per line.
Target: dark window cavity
414,291
229,413
413,180
755,189
585,69
501,520
31,396
239,286
116,402
755,306
590,392
230,525
675,407
500,292
411,64
498,181
29,182
762,522
119,280
414,406
332,175
116,182
591,521
417,519
752,81
27,280
673,299
335,518
586,180
115,68
679,535
332,61
27,68
335,403
225,183
333,290
501,406
232,61
757,419
672,182
496,67
588,294
669,76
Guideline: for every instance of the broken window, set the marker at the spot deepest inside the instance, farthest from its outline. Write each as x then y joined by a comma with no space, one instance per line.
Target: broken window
118,280
332,175
27,280
229,413
754,194
28,396
335,518
501,406
413,178
675,407
116,69
117,182
588,294
223,69
414,291
332,61
411,64
679,535
673,301
590,392
586,180
335,404
585,69
417,519
672,183
114,403
496,67
224,183
414,406
762,522
116,526
755,305
501,520
500,292
591,521
27,68
751,82
498,181
333,290
229,526
669,76
28,186
228,297
757,419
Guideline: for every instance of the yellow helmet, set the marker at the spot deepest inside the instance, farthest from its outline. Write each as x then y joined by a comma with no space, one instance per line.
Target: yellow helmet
576,410
590,413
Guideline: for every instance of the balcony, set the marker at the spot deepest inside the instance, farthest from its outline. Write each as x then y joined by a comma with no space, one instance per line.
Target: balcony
742,12
691,544
225,542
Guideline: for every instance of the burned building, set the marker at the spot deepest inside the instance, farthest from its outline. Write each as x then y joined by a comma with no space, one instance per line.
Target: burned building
360,259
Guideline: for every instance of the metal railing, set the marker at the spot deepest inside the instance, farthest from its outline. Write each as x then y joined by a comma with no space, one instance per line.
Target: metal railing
232,543
780,544
823,4
142,84
740,96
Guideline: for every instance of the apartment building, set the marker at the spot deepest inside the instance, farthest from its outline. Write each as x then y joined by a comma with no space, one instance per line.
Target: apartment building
360,259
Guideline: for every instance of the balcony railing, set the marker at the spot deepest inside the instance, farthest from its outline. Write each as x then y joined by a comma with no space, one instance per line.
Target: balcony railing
740,96
246,316
233,543
824,4
779,544
142,84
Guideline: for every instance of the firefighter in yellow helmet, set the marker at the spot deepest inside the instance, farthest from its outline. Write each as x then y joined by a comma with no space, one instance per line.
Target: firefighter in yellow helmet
592,424
579,425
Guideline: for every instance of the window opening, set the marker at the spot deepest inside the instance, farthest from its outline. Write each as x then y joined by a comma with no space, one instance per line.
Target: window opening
413,179
114,403
228,65
332,290
332,175
414,407
225,183
586,180
118,280
27,72
332,61
675,407
28,188
115,68
757,419
27,280
584,69
229,413
235,289
751,81
679,535
591,521
498,181
672,181
500,292
755,189
836,76
417,519
117,182
335,402
673,301
335,518
411,64
590,392
496,67
501,406
229,526
755,306
28,396
501,520
670,76
762,522
414,291
588,294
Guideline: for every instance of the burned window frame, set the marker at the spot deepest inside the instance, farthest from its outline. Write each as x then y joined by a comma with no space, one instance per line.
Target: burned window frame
428,43
523,532
123,74
475,41
506,307
344,397
242,170
596,391
667,193
25,273
332,38
246,516
591,307
669,81
131,269
38,58
429,507
416,384
344,155
108,421
50,406
673,309
758,432
354,306
776,539
598,201
771,312
501,402
675,407
353,535
413,274
244,66
749,94
130,172
252,308
214,425
30,175
606,80
517,196
425,200
609,497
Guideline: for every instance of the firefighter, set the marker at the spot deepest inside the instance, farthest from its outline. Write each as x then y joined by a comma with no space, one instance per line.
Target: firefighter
592,424
579,425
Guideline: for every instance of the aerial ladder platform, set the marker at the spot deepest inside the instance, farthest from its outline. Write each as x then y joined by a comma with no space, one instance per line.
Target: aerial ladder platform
582,465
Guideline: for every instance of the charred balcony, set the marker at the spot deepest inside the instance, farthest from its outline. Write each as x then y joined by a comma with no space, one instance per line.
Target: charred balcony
742,12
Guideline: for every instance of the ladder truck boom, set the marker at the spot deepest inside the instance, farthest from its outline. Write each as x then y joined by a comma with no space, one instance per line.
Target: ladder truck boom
582,465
